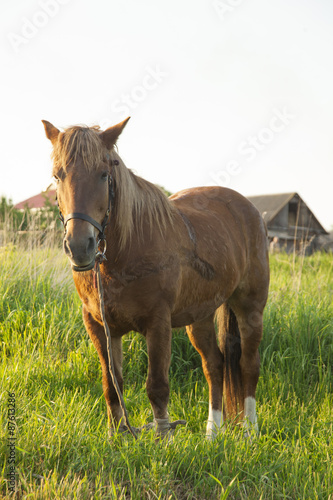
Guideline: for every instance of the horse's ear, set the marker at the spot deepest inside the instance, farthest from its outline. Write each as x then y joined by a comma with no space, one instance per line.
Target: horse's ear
51,131
110,135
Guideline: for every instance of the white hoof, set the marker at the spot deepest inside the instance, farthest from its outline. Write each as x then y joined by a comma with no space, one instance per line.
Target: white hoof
214,423
250,424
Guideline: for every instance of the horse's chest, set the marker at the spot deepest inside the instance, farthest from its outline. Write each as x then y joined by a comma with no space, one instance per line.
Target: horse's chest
89,297
122,305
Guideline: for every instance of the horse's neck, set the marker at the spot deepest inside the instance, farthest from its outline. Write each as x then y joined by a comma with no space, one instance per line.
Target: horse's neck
142,211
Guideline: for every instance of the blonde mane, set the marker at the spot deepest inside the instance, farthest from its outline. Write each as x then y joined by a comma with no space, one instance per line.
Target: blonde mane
80,141
137,201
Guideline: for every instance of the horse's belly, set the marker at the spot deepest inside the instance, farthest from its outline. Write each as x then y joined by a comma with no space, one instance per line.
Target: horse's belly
195,311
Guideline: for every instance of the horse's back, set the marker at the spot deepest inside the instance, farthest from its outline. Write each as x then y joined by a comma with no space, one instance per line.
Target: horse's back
222,214
203,200
230,234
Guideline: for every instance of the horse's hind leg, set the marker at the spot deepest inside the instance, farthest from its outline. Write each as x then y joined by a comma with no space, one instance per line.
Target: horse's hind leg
249,314
203,337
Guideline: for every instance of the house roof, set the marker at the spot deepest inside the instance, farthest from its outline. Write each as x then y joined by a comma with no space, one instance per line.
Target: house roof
38,201
270,205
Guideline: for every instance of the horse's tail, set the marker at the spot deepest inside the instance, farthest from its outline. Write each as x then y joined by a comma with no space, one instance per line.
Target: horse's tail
230,346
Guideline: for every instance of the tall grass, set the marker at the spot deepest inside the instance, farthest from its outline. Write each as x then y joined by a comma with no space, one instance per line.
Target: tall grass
29,228
63,450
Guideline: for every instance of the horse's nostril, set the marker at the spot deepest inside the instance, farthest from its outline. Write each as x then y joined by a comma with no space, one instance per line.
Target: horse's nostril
90,245
67,248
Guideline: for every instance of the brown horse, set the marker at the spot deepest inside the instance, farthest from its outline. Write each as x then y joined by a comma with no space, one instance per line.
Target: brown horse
193,259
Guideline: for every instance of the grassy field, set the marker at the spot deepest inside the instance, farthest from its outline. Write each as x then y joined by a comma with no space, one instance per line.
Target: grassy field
51,370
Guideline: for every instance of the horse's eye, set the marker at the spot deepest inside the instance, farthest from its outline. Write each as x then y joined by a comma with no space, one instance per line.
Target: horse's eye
104,176
56,179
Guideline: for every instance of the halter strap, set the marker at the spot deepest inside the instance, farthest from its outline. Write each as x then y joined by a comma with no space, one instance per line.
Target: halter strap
78,215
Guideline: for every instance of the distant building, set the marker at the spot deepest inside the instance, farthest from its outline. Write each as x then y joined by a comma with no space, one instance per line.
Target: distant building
38,201
290,222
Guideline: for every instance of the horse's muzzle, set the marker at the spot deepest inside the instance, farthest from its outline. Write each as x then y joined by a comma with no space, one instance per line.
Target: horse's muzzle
81,253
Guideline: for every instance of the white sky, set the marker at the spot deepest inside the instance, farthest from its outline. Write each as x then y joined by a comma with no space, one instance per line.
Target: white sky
231,92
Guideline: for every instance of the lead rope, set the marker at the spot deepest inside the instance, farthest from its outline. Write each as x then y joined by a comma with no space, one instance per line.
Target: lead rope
99,258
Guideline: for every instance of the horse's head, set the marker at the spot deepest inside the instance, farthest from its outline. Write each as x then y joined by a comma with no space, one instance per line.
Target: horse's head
83,172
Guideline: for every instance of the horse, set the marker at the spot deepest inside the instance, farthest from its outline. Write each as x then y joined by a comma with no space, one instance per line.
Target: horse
197,259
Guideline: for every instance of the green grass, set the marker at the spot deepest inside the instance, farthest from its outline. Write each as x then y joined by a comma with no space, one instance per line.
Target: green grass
63,451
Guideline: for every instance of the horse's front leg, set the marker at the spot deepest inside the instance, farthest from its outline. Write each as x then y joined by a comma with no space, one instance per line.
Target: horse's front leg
158,337
97,335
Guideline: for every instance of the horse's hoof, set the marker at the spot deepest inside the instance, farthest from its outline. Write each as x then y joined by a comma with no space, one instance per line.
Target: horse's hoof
166,429
162,426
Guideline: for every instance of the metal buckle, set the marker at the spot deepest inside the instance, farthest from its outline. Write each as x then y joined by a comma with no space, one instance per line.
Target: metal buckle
100,254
